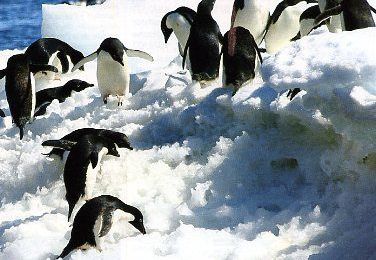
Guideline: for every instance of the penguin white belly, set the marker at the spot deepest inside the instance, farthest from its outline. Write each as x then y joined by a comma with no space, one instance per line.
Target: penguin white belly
306,26
253,17
113,78
286,28
91,175
335,23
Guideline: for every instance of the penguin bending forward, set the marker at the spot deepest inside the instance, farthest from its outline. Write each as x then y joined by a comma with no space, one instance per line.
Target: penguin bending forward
20,88
239,57
94,220
113,73
51,51
82,165
355,14
46,96
203,44
68,141
179,22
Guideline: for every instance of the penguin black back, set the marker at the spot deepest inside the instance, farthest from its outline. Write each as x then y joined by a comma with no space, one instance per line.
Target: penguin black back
239,56
203,43
84,152
84,222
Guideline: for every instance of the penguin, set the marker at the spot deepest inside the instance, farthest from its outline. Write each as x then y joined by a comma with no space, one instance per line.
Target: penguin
54,52
239,57
283,24
203,43
20,88
68,141
94,220
46,96
82,165
307,21
355,14
252,15
113,73
334,24
179,22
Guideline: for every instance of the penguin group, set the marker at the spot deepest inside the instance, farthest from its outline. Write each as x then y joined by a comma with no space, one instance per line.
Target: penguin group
253,26
202,47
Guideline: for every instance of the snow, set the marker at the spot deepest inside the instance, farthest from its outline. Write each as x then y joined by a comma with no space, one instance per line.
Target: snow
253,176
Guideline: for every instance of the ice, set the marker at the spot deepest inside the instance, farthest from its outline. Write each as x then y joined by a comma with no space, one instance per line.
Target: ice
253,176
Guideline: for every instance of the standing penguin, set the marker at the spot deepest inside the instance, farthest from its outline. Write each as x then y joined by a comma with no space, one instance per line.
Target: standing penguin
113,73
51,51
20,88
334,24
239,57
82,165
68,141
355,14
179,22
284,24
252,15
94,220
203,44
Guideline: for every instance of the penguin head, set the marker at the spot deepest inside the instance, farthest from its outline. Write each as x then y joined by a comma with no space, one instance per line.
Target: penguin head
77,85
109,144
165,30
18,62
120,139
205,7
115,48
138,223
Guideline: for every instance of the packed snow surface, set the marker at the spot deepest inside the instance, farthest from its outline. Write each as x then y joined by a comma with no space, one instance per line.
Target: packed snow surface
253,176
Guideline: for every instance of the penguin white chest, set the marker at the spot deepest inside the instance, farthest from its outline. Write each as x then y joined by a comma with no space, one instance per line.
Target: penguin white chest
33,98
91,175
253,17
113,78
180,26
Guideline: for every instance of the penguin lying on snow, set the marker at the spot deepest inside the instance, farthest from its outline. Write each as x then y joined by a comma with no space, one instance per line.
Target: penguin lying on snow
252,15
239,57
46,96
20,88
94,220
179,22
82,165
68,141
355,14
203,44
54,52
113,73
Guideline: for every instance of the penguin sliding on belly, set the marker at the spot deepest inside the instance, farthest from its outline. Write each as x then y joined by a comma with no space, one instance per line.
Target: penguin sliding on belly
20,88
204,44
179,22
46,96
239,57
252,15
68,141
355,14
284,24
113,73
94,220
82,165
51,51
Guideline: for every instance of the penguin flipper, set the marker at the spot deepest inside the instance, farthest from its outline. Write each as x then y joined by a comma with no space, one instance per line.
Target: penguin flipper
106,223
3,73
41,110
372,8
327,14
62,144
186,50
297,37
139,54
82,62
274,17
257,49
34,68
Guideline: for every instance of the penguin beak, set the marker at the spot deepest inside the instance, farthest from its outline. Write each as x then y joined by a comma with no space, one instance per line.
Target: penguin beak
114,153
139,226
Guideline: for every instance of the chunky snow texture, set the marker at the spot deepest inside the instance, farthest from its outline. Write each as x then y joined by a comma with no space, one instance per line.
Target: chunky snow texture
253,176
